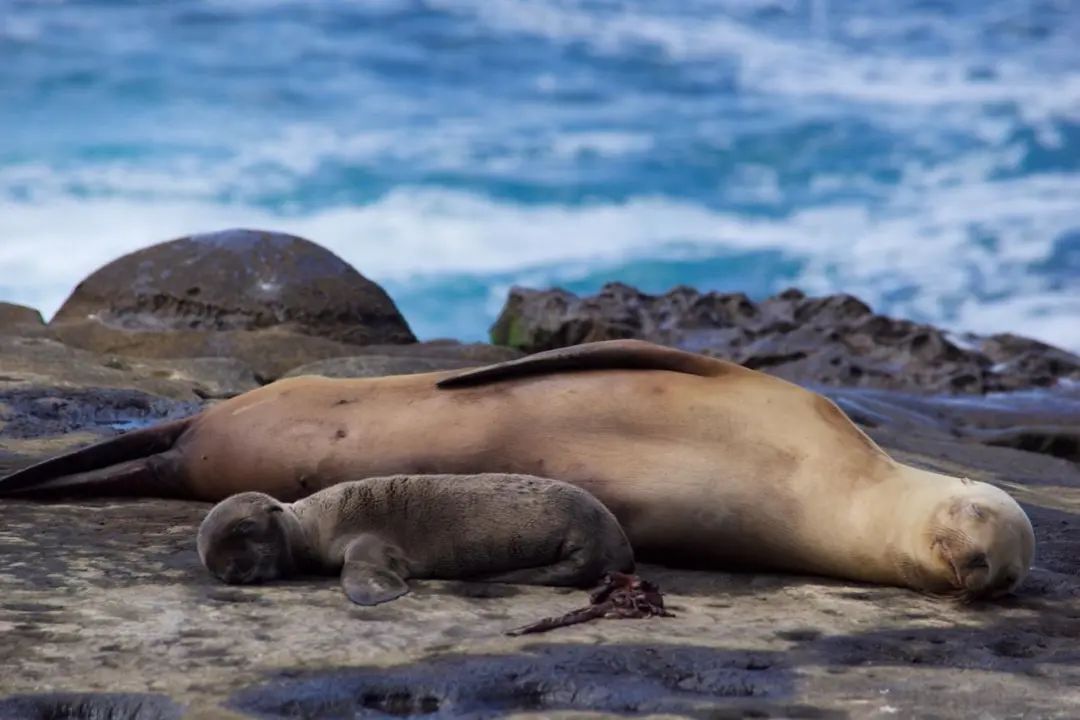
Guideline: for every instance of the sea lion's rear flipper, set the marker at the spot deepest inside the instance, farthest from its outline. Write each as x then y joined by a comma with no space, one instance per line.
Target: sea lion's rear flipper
372,570
605,355
569,572
137,463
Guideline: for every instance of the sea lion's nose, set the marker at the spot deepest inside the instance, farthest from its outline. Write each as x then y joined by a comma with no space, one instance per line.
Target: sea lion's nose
238,570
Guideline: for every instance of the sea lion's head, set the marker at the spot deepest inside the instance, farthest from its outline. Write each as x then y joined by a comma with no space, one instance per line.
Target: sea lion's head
981,544
244,539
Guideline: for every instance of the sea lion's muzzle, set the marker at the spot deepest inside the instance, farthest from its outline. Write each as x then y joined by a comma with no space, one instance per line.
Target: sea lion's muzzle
974,573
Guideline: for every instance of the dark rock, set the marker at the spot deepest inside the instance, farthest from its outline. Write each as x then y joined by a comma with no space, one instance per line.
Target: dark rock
378,361
90,706
1060,440
1044,420
54,398
834,341
1024,359
36,412
662,678
236,280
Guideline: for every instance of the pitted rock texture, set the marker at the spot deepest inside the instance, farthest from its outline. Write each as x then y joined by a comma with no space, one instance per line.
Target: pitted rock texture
89,706
835,340
237,280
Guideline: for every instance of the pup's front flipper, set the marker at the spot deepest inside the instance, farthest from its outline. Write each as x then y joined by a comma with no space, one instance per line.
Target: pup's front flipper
372,572
367,584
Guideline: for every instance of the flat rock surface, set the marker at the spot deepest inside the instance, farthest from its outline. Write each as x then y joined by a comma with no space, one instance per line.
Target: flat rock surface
270,352
109,597
37,362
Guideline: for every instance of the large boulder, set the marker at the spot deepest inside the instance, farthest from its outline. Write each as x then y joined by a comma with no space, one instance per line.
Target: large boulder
236,280
835,340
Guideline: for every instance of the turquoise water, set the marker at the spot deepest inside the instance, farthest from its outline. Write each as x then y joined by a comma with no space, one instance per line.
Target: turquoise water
922,154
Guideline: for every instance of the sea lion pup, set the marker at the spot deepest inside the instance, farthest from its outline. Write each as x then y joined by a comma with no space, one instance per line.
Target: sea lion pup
379,532
702,461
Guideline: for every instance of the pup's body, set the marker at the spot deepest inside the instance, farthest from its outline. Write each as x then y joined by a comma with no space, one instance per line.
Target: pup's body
378,532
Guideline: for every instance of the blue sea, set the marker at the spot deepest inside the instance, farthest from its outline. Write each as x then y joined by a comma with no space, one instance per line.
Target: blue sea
921,154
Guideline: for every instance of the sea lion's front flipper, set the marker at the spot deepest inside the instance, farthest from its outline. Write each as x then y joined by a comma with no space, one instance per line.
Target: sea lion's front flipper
368,584
605,355
373,570
140,463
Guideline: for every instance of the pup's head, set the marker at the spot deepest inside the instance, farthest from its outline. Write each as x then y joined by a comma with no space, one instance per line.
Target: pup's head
243,539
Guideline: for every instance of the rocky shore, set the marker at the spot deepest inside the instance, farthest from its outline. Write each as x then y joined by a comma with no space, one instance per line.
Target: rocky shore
106,612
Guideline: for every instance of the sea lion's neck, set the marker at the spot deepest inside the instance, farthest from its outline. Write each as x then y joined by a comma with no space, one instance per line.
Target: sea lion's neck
301,539
902,491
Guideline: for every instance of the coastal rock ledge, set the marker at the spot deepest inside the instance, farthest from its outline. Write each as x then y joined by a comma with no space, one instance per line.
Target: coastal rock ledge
106,611
836,340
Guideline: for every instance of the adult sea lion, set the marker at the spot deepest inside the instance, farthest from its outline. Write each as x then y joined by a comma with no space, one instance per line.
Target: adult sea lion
378,532
701,461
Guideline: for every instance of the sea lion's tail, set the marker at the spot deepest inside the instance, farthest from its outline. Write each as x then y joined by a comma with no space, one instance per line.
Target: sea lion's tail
139,463
603,355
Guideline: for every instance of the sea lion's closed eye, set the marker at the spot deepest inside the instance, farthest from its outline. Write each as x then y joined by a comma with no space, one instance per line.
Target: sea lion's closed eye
244,527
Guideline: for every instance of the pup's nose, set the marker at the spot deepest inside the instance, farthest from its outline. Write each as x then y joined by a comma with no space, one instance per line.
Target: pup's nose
238,570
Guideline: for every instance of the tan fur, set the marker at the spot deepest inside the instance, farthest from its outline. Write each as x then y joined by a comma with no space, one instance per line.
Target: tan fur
702,461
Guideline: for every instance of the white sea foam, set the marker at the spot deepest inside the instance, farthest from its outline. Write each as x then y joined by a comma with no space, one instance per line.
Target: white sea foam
773,64
944,233
921,241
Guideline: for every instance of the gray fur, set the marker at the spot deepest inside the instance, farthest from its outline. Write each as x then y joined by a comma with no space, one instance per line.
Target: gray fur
378,532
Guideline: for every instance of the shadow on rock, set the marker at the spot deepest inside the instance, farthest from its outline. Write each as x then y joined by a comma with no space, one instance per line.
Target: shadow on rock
1016,645
687,680
41,412
89,706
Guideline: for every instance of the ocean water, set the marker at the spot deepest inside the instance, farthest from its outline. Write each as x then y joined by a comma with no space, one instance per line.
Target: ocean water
922,154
